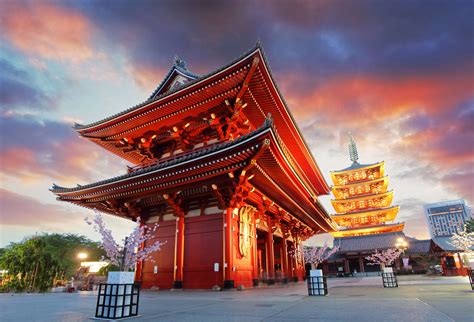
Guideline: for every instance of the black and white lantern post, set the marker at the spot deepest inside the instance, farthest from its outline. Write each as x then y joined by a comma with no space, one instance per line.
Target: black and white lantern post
317,283
118,298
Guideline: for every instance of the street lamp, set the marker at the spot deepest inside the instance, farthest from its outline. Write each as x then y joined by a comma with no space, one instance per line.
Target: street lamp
401,244
82,255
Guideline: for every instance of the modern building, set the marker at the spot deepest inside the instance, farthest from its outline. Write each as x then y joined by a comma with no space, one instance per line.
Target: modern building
221,166
363,212
447,217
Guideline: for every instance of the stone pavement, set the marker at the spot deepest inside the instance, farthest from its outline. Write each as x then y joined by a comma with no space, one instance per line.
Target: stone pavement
349,299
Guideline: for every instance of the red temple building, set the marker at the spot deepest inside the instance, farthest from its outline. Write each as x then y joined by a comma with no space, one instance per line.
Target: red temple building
363,209
221,166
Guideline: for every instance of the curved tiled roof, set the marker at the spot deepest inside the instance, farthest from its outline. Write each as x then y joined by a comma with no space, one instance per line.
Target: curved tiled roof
367,242
357,165
267,124
168,93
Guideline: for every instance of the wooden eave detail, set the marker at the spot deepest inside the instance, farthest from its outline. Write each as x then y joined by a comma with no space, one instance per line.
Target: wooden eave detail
388,194
204,166
335,174
337,187
370,230
338,190
248,153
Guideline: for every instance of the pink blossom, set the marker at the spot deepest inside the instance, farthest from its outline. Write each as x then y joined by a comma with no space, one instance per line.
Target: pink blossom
133,246
317,255
463,241
385,257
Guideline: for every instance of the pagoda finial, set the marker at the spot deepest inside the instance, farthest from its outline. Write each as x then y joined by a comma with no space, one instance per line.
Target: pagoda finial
179,62
353,154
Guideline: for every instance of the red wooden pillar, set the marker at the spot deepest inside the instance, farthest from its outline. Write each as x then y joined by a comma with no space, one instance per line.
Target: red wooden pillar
271,257
179,253
229,254
361,265
346,266
284,257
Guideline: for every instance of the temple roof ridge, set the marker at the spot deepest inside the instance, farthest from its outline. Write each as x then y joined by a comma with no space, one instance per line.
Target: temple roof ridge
155,97
180,67
356,166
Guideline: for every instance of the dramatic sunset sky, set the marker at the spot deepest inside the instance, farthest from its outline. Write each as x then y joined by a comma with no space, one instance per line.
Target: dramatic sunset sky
397,74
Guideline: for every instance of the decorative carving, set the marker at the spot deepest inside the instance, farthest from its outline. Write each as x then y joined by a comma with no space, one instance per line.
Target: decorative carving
241,190
176,203
245,218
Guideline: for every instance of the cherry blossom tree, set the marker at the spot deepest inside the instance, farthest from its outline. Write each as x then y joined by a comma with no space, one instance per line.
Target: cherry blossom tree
385,257
317,255
127,255
463,240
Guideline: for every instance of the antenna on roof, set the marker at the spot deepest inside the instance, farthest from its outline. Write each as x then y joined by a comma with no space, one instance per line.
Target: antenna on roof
353,154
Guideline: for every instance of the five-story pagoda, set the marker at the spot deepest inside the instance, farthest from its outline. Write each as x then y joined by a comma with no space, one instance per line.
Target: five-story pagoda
363,209
362,200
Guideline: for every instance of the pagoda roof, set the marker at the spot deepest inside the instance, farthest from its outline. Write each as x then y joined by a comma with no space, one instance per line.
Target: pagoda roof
358,166
165,107
261,150
363,197
358,183
369,230
367,213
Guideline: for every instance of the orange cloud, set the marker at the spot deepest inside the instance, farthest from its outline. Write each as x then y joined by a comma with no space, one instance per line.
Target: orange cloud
86,164
147,77
47,31
369,99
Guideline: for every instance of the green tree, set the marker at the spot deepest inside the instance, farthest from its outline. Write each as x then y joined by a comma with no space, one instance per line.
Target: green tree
36,262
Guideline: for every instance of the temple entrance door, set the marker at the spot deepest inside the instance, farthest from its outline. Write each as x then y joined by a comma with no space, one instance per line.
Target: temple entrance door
261,255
